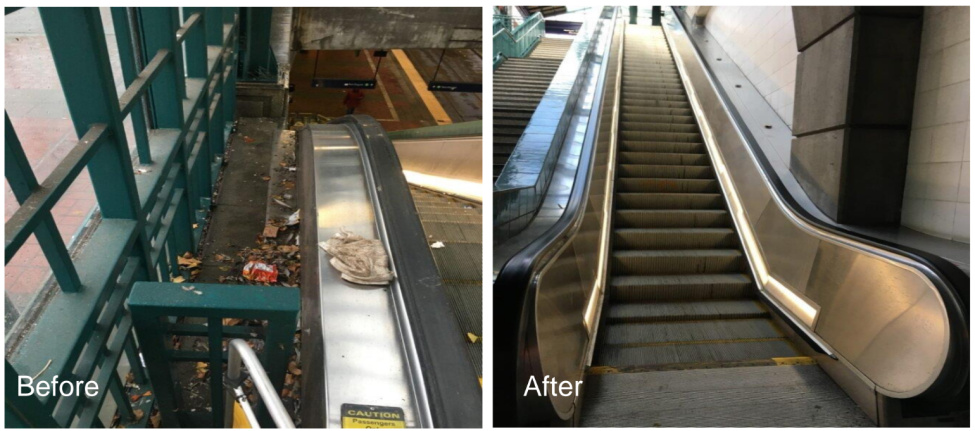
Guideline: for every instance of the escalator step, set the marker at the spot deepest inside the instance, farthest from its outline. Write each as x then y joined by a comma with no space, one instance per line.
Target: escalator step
662,218
779,396
661,136
644,158
705,331
664,147
673,238
678,311
670,201
666,185
699,287
645,126
665,171
616,356
672,262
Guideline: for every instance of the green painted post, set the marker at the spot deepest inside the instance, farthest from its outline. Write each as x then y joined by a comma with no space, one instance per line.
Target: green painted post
196,49
169,89
126,52
215,344
77,40
214,38
121,398
22,182
259,64
151,301
23,412
230,81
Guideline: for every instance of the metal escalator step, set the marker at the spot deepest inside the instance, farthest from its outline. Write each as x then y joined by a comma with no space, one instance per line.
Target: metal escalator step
663,147
665,171
673,238
505,140
661,136
654,118
661,218
636,103
646,158
697,287
512,115
627,313
655,110
666,185
511,122
769,396
508,131
709,330
650,91
668,201
618,356
633,126
629,98
675,262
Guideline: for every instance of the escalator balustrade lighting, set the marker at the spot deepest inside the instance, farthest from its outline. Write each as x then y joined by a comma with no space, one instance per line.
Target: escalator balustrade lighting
800,307
465,189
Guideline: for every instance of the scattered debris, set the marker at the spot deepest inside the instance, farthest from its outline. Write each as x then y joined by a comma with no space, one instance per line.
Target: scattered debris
294,218
293,368
270,231
256,270
187,261
248,139
360,260
189,288
473,338
280,202
178,279
142,171
438,244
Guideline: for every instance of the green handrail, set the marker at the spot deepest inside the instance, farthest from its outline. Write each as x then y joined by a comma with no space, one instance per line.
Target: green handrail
147,220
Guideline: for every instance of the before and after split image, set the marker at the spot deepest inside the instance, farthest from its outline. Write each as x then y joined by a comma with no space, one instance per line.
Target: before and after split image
487,216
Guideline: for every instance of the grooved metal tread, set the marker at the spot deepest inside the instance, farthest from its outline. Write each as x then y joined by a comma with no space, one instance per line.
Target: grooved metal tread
769,396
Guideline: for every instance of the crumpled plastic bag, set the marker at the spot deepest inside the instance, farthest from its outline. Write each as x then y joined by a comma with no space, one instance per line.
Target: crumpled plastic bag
360,260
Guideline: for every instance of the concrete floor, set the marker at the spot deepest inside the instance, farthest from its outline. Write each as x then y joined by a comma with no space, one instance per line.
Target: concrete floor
395,102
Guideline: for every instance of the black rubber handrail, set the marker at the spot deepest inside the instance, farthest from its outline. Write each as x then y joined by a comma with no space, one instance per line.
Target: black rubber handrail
452,389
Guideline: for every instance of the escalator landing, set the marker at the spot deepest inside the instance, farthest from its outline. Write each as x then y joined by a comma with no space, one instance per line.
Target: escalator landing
755,396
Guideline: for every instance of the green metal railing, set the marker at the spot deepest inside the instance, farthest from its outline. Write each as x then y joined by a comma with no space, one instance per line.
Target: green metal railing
155,306
182,118
520,41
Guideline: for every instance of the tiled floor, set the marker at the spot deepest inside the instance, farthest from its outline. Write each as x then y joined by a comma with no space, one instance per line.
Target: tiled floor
39,113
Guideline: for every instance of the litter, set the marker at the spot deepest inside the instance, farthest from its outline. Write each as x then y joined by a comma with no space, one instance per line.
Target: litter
256,270
438,244
280,202
294,219
360,260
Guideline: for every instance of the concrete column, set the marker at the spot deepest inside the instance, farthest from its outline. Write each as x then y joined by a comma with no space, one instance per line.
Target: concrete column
855,84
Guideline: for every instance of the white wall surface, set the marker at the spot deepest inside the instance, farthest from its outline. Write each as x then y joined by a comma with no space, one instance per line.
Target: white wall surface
936,196
762,43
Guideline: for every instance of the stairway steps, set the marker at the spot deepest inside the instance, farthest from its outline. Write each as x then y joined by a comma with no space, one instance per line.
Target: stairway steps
628,313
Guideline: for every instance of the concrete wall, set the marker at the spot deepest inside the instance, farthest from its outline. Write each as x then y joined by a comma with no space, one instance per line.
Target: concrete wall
936,195
389,28
762,42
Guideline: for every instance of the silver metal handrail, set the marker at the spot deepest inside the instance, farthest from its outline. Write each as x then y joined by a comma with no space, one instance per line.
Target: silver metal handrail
240,354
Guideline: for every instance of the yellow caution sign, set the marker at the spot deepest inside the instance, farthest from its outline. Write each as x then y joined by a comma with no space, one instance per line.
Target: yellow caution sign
240,418
362,416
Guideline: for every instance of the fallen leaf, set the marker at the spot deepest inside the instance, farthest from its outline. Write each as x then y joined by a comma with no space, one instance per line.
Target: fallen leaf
248,139
288,248
270,231
148,393
231,321
156,419
178,279
188,262
293,368
139,414
266,178
289,379
473,338
134,398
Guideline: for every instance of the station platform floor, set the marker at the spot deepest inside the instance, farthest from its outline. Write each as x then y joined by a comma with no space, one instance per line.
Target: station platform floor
400,100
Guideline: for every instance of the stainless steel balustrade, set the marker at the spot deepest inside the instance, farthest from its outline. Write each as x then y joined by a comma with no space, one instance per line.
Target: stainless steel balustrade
882,315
